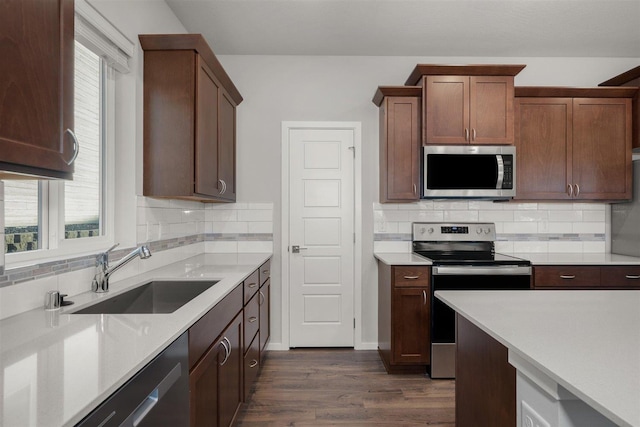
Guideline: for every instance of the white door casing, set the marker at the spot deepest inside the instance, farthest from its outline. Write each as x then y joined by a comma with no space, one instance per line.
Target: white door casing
319,216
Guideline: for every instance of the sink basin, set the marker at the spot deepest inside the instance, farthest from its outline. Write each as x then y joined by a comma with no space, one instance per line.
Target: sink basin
159,296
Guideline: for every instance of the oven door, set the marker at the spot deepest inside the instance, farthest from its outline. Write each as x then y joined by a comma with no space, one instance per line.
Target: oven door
443,319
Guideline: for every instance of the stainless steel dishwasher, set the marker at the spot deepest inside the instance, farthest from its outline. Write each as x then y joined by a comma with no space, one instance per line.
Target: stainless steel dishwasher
158,395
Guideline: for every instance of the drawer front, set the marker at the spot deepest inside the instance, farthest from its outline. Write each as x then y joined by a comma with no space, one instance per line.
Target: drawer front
204,332
621,276
265,271
251,320
251,367
251,285
566,276
411,276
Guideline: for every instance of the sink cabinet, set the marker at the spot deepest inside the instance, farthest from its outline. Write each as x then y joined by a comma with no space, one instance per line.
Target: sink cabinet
403,317
466,104
189,120
399,142
36,89
573,144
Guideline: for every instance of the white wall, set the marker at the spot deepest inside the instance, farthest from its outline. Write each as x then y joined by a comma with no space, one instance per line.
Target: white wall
285,88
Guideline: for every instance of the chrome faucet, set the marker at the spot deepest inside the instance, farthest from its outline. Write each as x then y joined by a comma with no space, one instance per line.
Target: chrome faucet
101,279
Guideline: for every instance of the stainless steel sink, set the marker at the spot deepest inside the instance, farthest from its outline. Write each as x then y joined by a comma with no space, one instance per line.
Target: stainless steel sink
159,296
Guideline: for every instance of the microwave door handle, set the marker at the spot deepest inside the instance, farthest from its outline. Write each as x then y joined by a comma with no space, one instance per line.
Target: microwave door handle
500,163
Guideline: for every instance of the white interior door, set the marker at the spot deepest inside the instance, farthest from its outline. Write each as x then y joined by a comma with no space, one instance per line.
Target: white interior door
321,224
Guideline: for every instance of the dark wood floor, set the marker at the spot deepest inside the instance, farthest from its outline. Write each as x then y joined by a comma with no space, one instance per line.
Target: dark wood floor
311,387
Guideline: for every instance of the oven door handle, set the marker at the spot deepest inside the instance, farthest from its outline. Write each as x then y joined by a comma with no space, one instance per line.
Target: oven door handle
494,270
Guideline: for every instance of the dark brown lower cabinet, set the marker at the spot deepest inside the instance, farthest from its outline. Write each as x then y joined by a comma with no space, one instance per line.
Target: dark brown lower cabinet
485,381
403,317
216,381
586,277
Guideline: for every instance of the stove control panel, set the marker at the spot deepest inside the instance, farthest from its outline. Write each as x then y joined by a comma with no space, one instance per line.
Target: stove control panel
438,231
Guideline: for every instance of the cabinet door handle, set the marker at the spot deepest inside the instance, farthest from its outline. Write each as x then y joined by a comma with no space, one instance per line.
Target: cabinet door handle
254,363
412,277
466,134
632,276
263,298
252,285
567,276
265,272
252,319
76,147
227,351
570,190
577,190
424,297
415,189
473,137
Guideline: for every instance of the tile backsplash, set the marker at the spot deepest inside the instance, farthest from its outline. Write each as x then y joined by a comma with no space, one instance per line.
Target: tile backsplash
520,227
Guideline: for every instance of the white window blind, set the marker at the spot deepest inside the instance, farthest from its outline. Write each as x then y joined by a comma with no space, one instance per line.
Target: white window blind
98,34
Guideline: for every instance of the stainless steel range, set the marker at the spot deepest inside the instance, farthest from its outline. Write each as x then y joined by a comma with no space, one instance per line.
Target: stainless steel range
464,258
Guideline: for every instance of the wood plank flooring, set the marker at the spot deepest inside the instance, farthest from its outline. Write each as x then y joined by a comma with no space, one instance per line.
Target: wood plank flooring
343,387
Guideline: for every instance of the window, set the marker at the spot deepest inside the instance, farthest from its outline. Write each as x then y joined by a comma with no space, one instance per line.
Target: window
55,218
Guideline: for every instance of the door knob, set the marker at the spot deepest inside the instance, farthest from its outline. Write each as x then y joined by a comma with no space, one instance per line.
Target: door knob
296,249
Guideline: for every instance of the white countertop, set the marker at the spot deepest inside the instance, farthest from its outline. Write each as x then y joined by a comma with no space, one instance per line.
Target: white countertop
586,341
56,367
401,258
560,258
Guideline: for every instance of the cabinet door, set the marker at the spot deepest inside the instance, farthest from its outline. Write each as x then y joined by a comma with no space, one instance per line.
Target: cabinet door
203,387
543,148
400,149
602,148
230,375
410,319
36,87
491,110
566,277
265,326
206,138
446,100
216,381
227,146
621,277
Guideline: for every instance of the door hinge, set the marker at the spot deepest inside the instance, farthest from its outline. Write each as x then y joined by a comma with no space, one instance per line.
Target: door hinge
354,323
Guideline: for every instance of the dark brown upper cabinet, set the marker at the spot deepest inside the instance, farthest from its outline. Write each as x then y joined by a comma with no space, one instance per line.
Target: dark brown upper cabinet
36,89
399,142
466,104
630,78
189,120
573,144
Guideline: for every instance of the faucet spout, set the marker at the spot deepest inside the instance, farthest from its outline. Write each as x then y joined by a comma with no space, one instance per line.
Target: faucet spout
103,271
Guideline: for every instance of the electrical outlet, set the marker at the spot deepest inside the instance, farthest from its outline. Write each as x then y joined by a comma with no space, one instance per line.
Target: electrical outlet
531,418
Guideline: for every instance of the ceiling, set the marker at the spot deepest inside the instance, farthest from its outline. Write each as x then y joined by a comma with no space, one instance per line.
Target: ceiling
503,28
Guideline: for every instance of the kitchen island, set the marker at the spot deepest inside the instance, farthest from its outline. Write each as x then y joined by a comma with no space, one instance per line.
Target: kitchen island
56,367
576,353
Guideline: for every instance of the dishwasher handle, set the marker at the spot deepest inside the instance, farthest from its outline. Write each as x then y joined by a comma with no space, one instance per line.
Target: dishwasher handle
153,398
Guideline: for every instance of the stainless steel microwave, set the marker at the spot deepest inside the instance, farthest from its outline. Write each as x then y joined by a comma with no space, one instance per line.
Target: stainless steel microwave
469,171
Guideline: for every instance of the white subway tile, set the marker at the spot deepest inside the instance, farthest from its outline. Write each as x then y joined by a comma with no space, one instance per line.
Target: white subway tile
530,247
426,216
486,205
394,216
504,247
392,247
594,247
525,206
565,216
229,227
422,205
221,246
385,206
255,247
495,216
451,205
25,296
594,215
461,216
520,227
525,215
385,227
255,215
260,206
555,227
405,227
260,227
560,206
589,227
590,206
223,215
565,246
